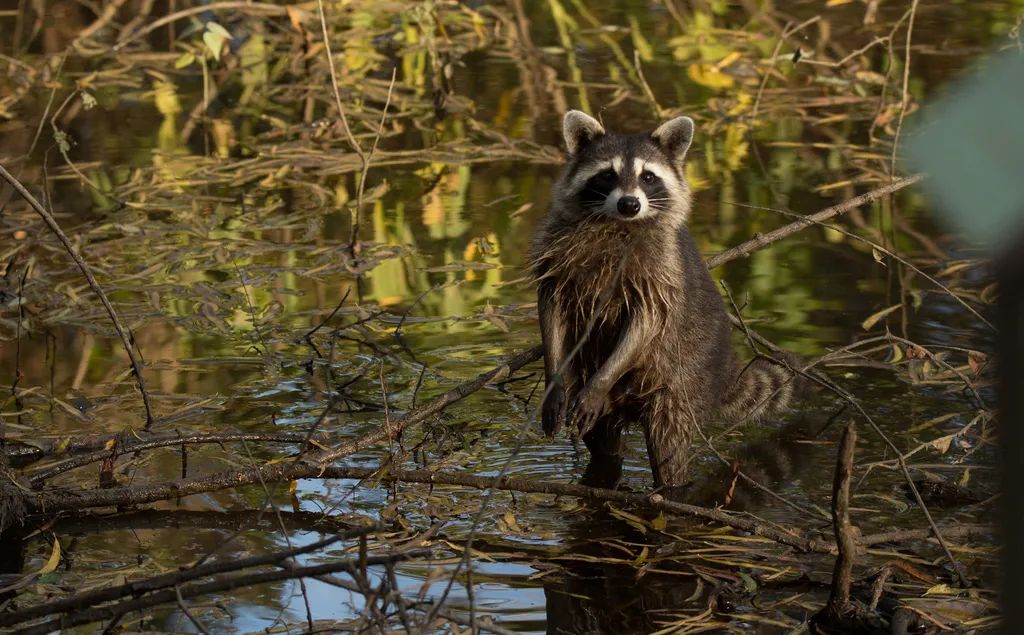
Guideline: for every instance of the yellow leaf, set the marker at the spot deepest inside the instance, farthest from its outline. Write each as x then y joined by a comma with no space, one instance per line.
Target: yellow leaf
51,564
965,479
62,447
218,29
875,317
940,589
897,355
660,522
708,75
510,520
942,443
728,59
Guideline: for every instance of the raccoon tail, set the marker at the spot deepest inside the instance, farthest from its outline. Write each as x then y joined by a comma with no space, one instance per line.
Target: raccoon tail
762,387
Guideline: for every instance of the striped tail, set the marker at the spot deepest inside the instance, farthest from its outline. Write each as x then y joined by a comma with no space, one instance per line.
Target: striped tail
762,387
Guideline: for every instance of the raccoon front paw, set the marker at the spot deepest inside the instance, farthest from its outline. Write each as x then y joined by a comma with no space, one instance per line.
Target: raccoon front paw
590,404
552,411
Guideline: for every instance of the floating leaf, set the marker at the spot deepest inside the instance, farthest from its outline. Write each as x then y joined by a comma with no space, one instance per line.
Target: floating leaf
940,589
53,561
635,521
510,520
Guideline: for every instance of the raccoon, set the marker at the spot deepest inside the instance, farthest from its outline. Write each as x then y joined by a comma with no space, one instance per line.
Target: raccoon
632,325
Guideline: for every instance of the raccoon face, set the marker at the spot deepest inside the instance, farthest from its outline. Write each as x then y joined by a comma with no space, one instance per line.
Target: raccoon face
626,177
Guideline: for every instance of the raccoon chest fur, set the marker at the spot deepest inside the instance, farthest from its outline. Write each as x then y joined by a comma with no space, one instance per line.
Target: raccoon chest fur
603,276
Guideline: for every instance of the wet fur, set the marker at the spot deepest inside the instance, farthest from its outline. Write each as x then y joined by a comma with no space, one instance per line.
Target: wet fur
608,284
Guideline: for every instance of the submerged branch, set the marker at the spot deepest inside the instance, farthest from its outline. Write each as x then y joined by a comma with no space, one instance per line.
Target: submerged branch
147,585
309,466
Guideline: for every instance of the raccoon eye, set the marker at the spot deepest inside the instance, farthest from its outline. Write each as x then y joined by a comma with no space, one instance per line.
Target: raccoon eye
607,175
648,177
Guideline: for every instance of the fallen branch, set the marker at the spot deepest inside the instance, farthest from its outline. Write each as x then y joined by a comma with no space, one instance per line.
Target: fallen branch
655,502
147,585
310,466
42,475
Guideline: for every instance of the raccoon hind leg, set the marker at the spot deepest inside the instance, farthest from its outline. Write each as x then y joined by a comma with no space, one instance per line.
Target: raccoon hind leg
669,420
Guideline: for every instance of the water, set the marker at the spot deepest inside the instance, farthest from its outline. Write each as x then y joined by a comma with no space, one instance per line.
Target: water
224,255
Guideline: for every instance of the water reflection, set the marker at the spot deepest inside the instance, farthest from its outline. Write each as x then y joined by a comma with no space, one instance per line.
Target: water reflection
228,249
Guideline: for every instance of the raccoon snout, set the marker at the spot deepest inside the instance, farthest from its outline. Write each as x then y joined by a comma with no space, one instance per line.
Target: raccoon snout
629,206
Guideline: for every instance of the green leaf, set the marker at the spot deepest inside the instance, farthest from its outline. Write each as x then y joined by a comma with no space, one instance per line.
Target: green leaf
214,42
213,27
184,60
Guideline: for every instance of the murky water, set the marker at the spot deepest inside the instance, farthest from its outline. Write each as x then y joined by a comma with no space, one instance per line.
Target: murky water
226,254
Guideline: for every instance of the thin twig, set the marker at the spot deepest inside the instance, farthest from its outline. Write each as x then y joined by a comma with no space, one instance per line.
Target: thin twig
157,598
41,476
192,618
763,240
245,6
904,95
900,259
51,222
92,597
354,237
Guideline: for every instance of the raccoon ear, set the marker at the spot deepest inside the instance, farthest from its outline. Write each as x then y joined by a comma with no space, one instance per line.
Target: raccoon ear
579,129
674,137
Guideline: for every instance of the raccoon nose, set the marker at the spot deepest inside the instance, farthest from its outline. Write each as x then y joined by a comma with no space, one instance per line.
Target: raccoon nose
629,206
